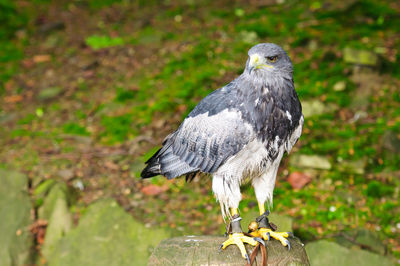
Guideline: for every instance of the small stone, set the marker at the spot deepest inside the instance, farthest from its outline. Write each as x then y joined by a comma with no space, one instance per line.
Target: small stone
250,37
316,107
77,183
339,86
360,57
391,141
310,161
66,174
7,117
49,93
313,45
178,18
353,167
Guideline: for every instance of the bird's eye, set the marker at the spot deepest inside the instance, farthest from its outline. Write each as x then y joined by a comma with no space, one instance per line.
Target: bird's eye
272,59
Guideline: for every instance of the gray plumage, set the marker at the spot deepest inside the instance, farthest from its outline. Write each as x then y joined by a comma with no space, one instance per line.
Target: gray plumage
261,105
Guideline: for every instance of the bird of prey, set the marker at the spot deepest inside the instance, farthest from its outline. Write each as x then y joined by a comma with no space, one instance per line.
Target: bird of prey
238,133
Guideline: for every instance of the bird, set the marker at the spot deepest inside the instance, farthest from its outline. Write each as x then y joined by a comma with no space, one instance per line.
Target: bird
237,134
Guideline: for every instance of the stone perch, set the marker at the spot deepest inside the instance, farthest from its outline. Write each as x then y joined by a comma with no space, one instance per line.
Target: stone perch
203,250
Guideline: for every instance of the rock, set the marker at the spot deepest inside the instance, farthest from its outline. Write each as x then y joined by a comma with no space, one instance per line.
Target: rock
51,26
360,57
360,101
339,86
353,167
49,93
391,141
316,107
150,35
368,83
361,238
313,45
327,253
310,161
203,250
55,211
106,235
50,193
66,174
15,213
7,117
248,36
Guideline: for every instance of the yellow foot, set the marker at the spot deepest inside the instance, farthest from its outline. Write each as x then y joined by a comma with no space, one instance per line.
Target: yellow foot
239,239
266,233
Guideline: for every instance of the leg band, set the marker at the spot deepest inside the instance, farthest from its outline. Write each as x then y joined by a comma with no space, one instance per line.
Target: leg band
235,224
263,222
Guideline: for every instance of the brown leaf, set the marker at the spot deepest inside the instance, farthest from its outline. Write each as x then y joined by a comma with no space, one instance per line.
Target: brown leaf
152,190
38,229
41,58
9,85
298,180
13,98
27,63
111,165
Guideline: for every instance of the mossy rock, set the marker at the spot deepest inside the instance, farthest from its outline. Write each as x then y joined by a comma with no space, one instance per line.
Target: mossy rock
106,235
15,212
328,253
204,250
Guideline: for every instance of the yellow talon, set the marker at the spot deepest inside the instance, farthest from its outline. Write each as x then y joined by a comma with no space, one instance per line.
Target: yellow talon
238,239
266,233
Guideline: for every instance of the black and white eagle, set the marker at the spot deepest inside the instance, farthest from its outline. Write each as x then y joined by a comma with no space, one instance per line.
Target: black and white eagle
237,133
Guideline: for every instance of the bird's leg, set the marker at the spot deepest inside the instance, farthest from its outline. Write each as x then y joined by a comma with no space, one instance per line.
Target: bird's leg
236,235
264,229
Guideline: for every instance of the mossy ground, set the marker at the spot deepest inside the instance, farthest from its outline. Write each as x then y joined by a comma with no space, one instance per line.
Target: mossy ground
89,88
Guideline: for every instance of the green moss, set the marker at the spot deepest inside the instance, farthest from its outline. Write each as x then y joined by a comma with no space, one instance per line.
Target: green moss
76,129
117,128
101,41
376,189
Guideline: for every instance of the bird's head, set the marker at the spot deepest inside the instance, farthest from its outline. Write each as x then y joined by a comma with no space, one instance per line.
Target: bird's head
268,61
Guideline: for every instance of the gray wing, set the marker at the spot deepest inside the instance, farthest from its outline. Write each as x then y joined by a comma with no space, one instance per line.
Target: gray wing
203,143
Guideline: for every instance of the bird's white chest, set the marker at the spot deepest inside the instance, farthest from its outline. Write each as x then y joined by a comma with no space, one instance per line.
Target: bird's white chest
250,162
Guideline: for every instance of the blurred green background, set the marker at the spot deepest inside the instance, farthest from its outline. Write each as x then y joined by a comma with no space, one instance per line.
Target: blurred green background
88,90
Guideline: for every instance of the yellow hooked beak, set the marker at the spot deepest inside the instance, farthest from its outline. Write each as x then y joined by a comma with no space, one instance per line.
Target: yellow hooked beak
256,62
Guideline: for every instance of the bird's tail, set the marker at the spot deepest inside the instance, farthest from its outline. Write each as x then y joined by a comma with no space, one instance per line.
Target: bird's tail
164,162
153,166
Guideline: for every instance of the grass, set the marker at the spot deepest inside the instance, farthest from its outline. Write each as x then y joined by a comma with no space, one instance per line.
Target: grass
133,75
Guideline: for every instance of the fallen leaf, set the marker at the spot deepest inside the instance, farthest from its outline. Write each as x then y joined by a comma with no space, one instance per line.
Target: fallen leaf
13,98
9,85
27,63
38,229
298,180
41,58
111,165
152,190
